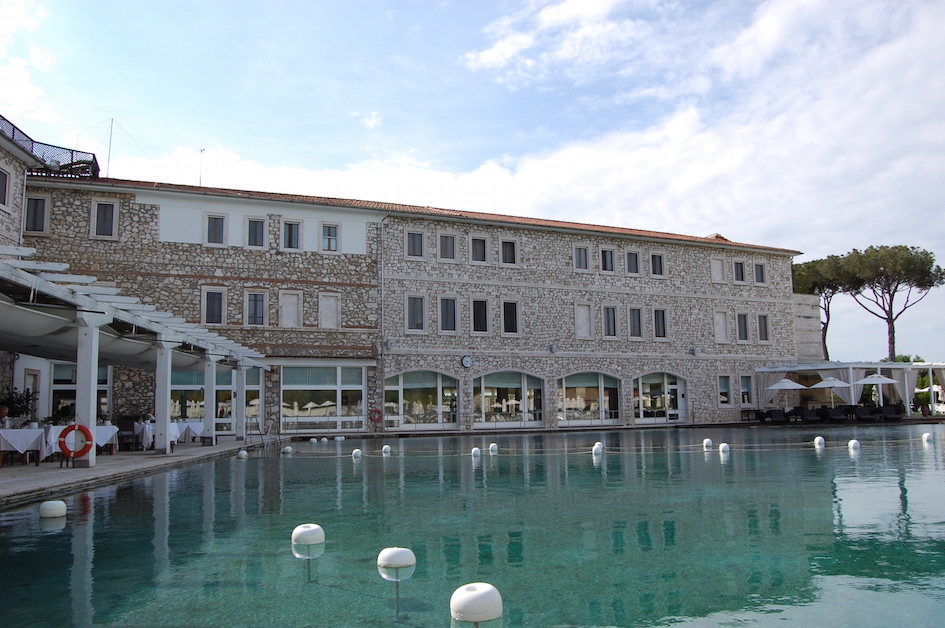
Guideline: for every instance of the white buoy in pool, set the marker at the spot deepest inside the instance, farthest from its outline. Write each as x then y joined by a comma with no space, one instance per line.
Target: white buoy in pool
598,448
356,453
707,444
475,452
723,448
385,450
313,441
308,534
396,563
339,438
242,454
819,441
927,437
324,439
53,508
854,444
493,448
287,449
476,602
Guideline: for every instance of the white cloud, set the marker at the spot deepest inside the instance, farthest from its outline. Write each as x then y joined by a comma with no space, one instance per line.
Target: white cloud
21,99
500,54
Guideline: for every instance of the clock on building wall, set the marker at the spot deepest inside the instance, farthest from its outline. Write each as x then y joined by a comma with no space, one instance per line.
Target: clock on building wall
467,361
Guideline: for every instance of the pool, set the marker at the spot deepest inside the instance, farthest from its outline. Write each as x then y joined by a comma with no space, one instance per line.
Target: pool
655,531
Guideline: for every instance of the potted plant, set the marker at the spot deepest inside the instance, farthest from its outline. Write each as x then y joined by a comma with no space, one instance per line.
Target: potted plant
19,404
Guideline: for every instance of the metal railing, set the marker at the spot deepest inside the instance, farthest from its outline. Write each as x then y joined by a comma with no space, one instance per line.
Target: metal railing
58,161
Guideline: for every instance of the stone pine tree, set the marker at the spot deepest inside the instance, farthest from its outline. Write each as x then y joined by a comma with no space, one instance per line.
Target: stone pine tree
888,280
826,278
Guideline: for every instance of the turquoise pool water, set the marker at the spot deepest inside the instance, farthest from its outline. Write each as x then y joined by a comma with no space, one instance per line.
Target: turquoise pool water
654,532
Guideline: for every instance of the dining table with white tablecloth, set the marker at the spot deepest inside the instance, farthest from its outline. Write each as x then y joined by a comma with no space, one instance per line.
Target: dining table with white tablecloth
146,432
103,435
23,440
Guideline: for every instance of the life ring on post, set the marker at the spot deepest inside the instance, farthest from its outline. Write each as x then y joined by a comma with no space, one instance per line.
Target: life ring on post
81,451
375,415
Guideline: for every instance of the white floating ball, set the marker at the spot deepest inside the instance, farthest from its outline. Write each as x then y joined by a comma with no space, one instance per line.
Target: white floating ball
475,452
819,441
287,449
723,448
493,448
313,441
707,443
356,453
53,508
308,534
927,437
324,440
476,602
396,563
242,454
853,444
385,450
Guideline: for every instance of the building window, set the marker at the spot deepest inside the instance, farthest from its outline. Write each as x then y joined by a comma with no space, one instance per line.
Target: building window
741,321
636,322
448,314
717,266
322,397
477,250
738,272
607,260
447,248
255,232
291,235
104,219
660,324
657,267
4,188
509,252
633,263
216,230
763,328
580,258
480,316
582,321
414,244
746,389
721,327
36,216
290,308
510,322
329,311
760,273
330,238
214,300
610,321
415,314
725,390
255,308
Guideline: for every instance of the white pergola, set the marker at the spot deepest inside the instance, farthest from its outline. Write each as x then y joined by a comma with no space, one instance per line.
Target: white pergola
48,313
905,375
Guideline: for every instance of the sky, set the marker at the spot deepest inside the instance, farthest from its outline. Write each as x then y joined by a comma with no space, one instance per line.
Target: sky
811,125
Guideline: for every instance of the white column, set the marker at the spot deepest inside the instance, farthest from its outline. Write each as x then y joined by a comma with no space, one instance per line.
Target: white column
162,395
210,397
86,393
239,402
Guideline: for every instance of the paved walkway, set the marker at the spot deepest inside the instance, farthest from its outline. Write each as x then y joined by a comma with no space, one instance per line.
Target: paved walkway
21,484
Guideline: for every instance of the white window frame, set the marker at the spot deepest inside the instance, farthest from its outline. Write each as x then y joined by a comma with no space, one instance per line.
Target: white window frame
472,316
282,233
666,324
717,263
608,311
742,390
206,229
764,273
764,339
663,264
421,238
265,228
439,247
439,315
722,336
204,290
739,317
608,252
336,238
518,318
729,402
626,259
409,300
485,239
300,308
329,303
93,219
639,310
744,266
586,268
584,307
516,251
46,203
265,305
5,203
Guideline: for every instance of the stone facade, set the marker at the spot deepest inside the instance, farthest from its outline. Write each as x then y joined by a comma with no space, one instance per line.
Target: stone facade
11,207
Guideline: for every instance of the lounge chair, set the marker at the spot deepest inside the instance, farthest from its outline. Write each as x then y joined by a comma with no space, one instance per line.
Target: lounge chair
836,414
863,413
892,413
809,416
777,416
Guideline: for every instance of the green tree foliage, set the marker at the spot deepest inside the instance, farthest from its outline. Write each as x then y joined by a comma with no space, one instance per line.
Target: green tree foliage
888,280
826,278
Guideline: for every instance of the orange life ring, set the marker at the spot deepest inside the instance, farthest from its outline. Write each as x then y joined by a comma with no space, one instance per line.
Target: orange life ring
375,415
78,453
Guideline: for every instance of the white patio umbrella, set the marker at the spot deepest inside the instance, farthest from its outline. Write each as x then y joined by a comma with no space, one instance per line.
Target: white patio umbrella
877,379
831,382
786,384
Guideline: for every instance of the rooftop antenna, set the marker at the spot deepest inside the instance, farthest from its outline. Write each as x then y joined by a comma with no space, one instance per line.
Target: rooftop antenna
200,174
108,162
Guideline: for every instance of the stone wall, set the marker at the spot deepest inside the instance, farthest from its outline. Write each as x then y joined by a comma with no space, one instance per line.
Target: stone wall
11,214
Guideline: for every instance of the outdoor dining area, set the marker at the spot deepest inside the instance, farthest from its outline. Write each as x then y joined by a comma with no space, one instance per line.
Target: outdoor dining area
844,392
34,443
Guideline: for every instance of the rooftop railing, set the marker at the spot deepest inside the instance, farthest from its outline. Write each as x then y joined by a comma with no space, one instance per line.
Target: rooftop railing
57,161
